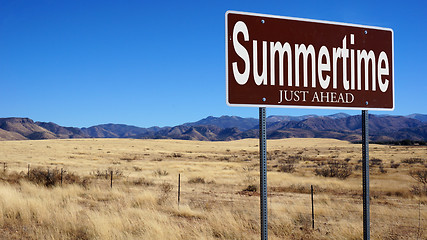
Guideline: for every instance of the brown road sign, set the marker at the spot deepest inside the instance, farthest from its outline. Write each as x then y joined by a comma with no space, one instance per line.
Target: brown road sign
274,61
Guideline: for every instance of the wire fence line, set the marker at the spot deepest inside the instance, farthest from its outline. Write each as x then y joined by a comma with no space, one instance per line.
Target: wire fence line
321,216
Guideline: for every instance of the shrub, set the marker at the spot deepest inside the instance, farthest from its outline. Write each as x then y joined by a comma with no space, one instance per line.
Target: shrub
196,180
100,173
137,169
375,161
335,168
160,173
49,177
294,158
251,188
165,189
419,175
129,158
142,181
413,160
419,190
287,168
382,170
394,165
106,173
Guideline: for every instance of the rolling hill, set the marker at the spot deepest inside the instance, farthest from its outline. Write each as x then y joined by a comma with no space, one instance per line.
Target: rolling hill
338,126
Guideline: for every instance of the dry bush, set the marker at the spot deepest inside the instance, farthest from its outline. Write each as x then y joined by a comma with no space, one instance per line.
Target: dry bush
419,190
334,168
294,159
142,182
12,177
130,158
42,177
375,161
251,188
177,155
137,169
107,173
394,165
52,177
197,180
71,178
100,173
287,168
165,189
160,173
413,161
419,175
381,168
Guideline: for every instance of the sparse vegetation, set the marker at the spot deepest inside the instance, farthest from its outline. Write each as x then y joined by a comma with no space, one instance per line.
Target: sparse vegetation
165,189
375,161
197,180
142,204
160,173
419,175
142,182
334,168
413,161
287,168
394,165
251,188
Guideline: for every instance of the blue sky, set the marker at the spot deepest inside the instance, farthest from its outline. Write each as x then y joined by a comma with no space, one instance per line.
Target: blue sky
162,63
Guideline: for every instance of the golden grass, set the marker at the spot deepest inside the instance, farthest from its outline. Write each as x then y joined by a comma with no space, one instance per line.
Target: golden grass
143,201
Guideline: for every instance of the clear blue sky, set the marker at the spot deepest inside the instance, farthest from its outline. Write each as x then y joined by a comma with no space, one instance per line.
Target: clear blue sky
147,63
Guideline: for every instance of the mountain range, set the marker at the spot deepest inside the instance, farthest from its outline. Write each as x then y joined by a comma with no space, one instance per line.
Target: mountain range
382,128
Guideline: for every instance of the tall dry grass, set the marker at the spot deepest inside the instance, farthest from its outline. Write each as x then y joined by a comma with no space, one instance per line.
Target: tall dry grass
143,201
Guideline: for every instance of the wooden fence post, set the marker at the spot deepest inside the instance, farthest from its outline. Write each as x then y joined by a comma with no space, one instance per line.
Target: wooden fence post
312,207
111,183
179,188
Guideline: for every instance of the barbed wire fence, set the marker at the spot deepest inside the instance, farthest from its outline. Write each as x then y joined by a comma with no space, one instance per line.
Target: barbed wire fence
327,214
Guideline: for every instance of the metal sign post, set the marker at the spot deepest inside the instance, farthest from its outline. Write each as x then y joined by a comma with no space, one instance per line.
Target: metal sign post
365,174
263,172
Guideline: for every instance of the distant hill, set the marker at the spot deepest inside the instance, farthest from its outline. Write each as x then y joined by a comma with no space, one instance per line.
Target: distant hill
421,117
342,126
23,128
275,118
63,132
227,122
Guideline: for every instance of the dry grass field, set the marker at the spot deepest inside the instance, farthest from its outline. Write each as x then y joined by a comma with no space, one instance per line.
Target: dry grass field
219,189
